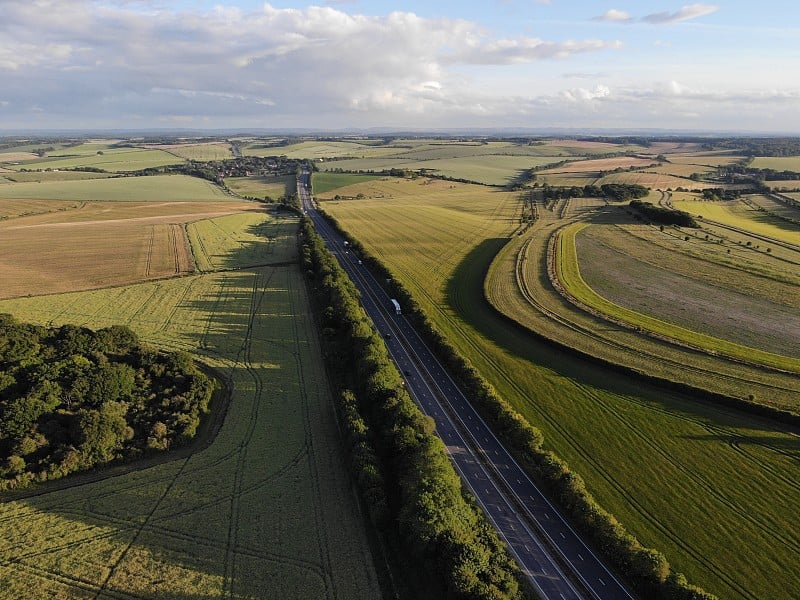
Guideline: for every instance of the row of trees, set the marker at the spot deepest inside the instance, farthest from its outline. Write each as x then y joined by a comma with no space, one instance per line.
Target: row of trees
646,569
616,191
410,487
72,398
664,216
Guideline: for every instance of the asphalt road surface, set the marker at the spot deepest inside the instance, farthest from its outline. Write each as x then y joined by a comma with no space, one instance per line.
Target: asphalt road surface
549,551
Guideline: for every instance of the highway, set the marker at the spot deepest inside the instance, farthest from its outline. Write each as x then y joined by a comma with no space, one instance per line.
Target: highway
550,553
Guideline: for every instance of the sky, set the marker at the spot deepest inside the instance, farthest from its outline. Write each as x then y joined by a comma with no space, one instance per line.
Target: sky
727,65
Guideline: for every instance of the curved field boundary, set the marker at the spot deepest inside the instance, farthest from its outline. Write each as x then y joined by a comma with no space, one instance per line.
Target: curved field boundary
571,284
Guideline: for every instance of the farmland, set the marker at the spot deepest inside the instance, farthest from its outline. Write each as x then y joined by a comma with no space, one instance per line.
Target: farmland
110,159
740,215
164,188
265,510
262,186
697,481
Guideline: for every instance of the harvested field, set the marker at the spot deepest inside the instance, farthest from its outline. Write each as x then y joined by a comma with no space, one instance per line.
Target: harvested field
160,188
99,245
10,209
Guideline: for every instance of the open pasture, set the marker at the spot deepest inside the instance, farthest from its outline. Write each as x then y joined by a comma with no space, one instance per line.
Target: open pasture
99,245
713,490
111,159
736,213
265,511
262,186
160,188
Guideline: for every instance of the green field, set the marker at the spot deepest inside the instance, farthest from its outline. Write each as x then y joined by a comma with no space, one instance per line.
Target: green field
499,169
209,151
714,490
111,159
49,176
266,511
737,214
161,188
322,182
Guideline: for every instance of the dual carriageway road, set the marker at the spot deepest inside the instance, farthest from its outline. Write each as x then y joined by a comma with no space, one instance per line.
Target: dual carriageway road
551,554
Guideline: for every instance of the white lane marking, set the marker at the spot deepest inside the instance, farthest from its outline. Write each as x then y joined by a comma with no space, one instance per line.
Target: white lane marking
561,534
580,557
601,581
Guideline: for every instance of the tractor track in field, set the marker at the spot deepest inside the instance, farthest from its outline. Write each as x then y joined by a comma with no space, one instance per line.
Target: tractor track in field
244,358
321,530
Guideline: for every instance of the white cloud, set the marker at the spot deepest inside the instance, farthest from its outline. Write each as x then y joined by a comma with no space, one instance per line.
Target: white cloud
614,16
112,59
690,11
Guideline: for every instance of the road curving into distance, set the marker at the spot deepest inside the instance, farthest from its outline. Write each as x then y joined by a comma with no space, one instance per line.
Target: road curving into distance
558,563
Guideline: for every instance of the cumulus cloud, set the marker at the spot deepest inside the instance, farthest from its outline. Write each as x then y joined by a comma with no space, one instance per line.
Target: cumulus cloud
690,11
138,60
614,16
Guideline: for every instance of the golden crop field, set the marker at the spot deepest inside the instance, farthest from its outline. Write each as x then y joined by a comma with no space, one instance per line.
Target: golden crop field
635,445
265,511
99,244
